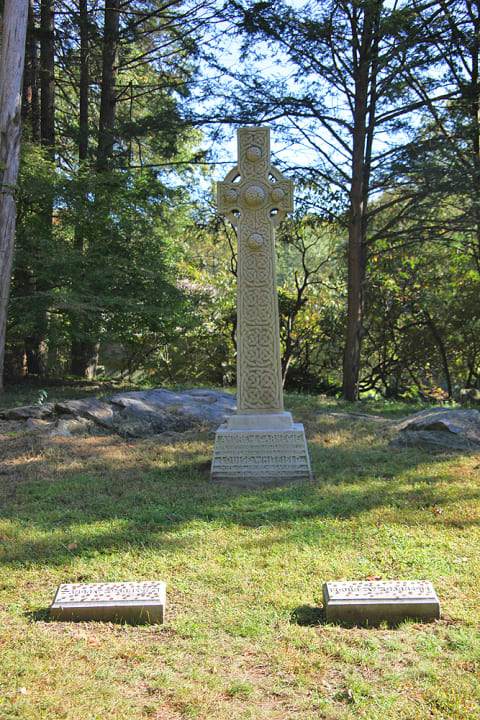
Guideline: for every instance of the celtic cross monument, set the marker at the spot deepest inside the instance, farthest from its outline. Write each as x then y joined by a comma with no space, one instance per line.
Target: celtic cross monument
260,443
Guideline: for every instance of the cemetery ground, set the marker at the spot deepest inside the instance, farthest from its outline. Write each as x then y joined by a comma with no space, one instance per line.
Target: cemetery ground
245,635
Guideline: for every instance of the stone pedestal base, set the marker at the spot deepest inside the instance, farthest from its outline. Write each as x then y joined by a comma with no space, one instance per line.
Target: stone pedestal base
248,454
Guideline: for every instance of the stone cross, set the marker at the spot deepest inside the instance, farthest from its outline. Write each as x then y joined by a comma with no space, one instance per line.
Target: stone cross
260,443
255,197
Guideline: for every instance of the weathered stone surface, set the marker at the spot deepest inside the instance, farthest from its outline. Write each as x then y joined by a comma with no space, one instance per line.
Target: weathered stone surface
72,426
373,602
132,414
165,410
440,418
258,457
36,425
100,411
255,197
131,601
440,429
28,411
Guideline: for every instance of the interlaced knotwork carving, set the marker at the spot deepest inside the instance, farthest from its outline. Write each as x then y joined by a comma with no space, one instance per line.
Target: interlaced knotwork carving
255,203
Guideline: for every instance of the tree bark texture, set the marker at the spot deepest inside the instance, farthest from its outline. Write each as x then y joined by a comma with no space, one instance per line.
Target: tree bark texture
363,114
15,15
84,81
108,98
36,344
47,75
35,348
84,353
31,97
84,356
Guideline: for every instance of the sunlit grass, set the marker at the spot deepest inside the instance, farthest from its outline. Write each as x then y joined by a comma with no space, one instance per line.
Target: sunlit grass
245,636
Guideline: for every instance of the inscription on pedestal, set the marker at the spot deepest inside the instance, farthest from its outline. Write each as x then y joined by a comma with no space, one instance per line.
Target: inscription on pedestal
262,455
375,601
133,601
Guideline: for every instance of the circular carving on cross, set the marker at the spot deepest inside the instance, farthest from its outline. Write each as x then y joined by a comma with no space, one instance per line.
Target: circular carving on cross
278,194
255,241
254,196
230,195
254,153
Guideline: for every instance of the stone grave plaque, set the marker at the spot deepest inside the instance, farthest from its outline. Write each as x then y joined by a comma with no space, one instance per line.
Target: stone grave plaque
373,602
131,601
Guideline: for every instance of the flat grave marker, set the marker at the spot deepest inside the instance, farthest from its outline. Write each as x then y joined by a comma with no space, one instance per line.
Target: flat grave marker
131,601
381,600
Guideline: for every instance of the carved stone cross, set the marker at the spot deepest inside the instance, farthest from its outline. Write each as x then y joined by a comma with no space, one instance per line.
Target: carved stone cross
255,197
260,443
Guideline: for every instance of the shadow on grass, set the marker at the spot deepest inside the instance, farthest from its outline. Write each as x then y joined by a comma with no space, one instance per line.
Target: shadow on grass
135,503
39,615
43,615
309,616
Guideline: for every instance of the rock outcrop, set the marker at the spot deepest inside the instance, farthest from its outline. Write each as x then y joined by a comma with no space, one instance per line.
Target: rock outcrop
440,429
131,414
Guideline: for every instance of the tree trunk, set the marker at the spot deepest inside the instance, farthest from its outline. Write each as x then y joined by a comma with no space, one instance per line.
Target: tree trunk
85,359
108,98
363,124
85,352
475,118
36,345
47,76
31,99
14,19
443,353
35,349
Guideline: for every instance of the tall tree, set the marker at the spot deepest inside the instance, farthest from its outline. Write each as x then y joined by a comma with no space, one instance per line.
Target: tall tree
15,14
83,352
344,100
108,97
31,98
34,285
47,75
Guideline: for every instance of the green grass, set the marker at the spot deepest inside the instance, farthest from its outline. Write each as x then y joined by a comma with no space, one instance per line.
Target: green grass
245,636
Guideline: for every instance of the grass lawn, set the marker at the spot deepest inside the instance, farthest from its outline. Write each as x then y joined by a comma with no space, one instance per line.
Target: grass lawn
245,636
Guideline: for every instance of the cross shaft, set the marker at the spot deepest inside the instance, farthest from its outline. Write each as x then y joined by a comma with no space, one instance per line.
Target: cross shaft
255,197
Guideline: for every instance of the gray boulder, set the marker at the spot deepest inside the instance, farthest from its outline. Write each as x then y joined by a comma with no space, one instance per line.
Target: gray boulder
177,411
132,414
440,429
100,411
66,427
38,412
37,425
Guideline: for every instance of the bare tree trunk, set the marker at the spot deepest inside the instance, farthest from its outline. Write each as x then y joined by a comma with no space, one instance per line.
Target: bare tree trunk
443,353
31,98
363,124
36,345
47,76
25,279
14,30
108,99
85,351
